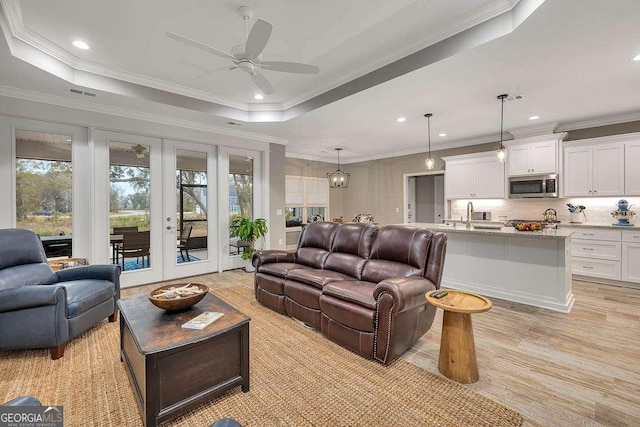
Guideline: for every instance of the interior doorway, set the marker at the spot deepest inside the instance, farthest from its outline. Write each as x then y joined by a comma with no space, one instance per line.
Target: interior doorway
424,197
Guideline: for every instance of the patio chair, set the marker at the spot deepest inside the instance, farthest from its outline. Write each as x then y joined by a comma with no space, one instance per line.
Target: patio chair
183,244
136,245
120,231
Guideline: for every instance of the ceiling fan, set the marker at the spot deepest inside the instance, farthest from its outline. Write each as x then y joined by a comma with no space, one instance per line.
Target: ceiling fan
247,57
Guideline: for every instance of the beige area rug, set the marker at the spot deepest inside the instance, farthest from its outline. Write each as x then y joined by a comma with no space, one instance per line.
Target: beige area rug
298,378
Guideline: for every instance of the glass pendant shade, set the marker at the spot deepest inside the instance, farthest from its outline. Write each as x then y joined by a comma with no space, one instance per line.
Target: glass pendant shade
429,163
338,178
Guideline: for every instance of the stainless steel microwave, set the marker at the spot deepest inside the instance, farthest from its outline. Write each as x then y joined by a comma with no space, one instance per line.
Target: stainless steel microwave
536,186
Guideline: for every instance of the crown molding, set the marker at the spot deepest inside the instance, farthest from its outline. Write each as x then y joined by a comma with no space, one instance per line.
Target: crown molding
533,130
602,121
28,95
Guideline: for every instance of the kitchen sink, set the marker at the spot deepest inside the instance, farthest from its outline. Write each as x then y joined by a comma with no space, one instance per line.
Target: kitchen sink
487,225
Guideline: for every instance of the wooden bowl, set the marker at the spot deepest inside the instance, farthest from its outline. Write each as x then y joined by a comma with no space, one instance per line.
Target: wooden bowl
180,303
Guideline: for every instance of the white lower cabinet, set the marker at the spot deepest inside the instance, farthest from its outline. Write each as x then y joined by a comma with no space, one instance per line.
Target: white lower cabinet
631,256
605,253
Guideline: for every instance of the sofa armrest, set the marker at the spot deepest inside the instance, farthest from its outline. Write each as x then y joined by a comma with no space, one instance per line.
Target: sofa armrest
407,292
31,296
271,256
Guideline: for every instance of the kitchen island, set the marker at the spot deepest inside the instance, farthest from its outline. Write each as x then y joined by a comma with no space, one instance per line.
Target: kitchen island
528,267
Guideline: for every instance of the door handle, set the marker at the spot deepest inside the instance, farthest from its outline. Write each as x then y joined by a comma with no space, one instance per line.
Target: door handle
169,227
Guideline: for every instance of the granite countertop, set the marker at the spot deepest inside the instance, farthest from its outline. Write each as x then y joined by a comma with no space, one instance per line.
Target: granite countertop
504,231
597,225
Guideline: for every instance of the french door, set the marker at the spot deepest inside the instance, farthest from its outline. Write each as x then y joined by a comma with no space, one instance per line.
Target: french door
190,209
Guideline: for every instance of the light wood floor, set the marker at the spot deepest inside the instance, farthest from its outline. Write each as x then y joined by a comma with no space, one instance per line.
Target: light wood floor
576,369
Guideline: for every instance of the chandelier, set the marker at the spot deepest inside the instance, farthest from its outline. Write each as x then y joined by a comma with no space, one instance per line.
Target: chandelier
338,178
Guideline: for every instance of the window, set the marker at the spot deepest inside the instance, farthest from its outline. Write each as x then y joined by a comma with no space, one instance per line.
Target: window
44,188
307,200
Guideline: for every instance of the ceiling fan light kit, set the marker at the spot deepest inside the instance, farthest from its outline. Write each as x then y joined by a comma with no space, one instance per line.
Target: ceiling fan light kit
247,57
338,178
502,152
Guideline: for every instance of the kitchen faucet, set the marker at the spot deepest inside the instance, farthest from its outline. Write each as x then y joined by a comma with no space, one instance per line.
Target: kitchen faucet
469,212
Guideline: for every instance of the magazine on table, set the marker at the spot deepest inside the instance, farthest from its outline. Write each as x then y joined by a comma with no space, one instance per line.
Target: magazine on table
202,320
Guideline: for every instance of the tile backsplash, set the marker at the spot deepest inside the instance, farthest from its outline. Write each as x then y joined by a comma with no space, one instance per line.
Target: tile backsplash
598,209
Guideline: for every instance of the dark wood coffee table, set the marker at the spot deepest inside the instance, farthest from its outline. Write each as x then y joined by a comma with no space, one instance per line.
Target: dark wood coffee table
172,369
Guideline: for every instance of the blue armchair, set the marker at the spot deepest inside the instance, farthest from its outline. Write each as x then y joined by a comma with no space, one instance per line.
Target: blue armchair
40,308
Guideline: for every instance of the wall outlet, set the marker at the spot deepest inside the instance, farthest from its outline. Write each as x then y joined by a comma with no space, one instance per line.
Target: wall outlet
397,210
278,211
279,241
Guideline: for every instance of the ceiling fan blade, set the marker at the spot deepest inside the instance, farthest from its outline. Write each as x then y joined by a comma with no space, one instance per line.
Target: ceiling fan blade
199,45
258,38
289,67
213,71
261,81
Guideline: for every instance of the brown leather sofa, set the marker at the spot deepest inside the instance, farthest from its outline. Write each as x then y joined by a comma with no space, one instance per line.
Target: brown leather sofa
362,286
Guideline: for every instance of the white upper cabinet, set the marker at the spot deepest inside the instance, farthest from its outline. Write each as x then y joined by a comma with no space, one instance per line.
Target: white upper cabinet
632,168
594,168
474,176
533,156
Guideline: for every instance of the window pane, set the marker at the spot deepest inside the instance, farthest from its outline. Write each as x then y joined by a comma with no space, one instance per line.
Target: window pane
293,216
44,188
129,199
240,196
191,209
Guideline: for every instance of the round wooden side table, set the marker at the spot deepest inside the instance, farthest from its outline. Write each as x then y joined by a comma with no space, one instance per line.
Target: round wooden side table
457,348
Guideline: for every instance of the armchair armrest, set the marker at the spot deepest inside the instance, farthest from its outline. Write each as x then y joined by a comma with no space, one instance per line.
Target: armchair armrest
99,272
31,296
271,256
407,292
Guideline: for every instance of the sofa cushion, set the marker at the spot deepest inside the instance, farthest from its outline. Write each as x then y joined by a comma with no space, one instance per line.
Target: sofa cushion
349,314
273,284
304,295
279,269
316,277
355,291
398,251
83,295
315,243
350,249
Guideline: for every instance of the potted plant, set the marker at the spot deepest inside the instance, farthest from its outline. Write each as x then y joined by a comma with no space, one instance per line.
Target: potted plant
249,231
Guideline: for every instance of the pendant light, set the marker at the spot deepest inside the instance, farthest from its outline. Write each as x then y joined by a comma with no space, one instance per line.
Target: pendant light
338,178
429,161
501,153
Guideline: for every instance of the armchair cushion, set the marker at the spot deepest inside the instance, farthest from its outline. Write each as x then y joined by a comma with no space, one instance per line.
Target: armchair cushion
317,276
21,247
355,291
83,295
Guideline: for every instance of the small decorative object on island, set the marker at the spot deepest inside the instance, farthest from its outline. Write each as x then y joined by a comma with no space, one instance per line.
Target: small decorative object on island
178,296
623,214
249,230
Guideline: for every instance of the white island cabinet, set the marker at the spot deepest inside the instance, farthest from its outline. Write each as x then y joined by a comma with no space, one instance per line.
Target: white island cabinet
531,268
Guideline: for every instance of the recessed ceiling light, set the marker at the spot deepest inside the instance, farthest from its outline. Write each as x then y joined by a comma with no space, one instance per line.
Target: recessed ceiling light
636,58
442,134
534,117
401,119
80,44
258,96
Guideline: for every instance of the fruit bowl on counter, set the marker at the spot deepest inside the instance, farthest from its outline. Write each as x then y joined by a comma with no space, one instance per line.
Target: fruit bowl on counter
527,226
